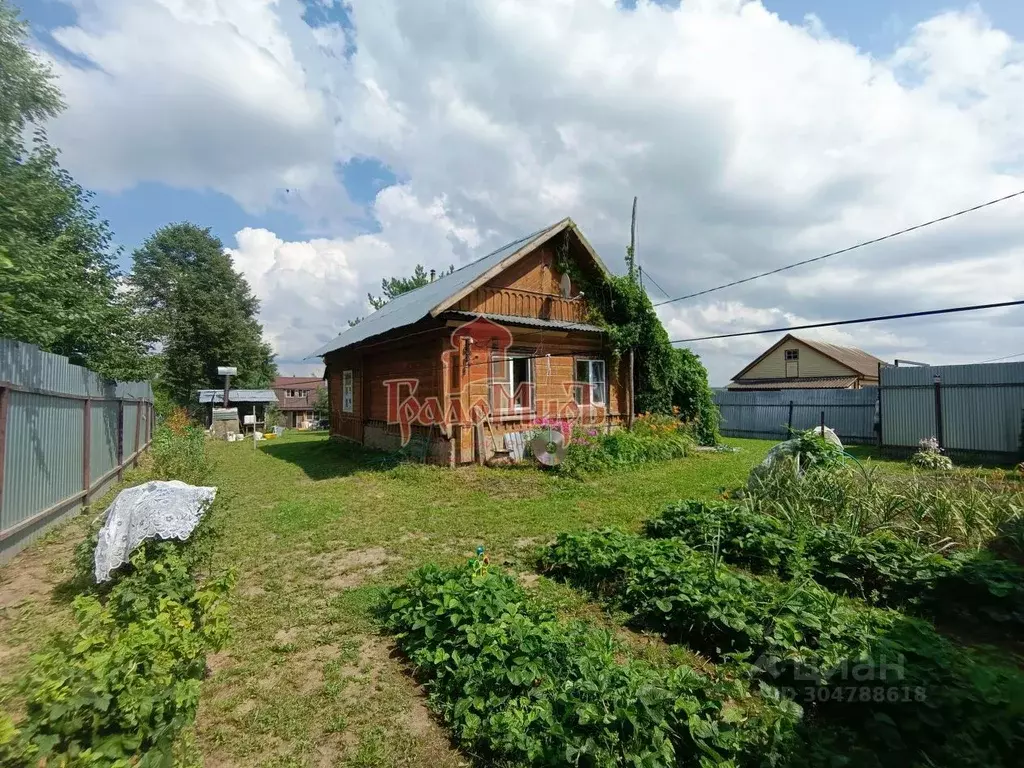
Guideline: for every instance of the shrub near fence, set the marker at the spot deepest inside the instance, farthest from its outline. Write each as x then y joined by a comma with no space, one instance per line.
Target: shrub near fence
66,435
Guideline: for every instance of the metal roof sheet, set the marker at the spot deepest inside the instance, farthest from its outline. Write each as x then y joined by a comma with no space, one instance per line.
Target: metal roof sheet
862,362
816,382
238,396
533,322
410,307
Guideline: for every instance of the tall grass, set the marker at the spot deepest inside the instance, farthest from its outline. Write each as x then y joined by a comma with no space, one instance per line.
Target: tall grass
179,450
954,509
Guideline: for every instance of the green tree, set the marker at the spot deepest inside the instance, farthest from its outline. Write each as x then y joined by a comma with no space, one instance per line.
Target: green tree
199,312
60,283
322,406
396,286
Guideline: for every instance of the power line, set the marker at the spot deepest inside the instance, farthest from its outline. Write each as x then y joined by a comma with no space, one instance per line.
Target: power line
845,250
997,359
655,282
877,318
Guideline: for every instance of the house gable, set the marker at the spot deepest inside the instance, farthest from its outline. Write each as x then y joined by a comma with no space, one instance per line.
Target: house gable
811,363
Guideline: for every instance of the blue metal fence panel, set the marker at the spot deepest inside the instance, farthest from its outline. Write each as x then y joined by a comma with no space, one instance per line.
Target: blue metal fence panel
43,451
982,406
103,439
850,412
43,457
130,417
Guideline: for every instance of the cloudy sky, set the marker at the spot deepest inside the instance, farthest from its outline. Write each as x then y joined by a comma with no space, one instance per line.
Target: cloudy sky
330,144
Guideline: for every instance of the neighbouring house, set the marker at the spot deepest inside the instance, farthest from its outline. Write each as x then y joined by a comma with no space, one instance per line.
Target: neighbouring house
479,354
802,363
249,402
296,400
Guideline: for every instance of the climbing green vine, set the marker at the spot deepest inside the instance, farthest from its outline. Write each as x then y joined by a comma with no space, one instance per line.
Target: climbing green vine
664,375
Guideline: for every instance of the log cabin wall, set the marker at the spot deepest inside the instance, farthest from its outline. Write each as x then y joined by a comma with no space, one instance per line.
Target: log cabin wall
529,288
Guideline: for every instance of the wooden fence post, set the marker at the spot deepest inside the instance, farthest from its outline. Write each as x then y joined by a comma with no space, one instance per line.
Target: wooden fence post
138,425
120,439
86,448
789,431
5,402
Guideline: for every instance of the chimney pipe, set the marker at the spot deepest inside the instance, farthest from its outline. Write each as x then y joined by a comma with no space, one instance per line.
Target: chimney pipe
433,273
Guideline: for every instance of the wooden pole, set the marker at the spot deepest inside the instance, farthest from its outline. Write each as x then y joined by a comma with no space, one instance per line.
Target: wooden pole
120,439
138,426
631,257
631,401
86,447
789,431
5,404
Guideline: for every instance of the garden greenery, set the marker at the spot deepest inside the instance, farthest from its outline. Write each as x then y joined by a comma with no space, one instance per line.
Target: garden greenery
119,688
916,697
930,456
664,375
179,451
519,687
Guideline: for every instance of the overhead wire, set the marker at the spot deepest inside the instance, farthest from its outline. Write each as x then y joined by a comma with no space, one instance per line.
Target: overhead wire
864,244
997,359
876,318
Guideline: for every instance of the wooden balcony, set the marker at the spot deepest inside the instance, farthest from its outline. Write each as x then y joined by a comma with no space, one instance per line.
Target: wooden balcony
520,303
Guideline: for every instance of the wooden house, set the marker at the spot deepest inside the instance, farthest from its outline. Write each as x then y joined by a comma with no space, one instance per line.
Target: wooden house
474,355
801,363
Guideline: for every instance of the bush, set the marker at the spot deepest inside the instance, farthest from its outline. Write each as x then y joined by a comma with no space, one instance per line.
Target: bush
880,568
119,689
179,451
951,707
517,685
930,456
651,439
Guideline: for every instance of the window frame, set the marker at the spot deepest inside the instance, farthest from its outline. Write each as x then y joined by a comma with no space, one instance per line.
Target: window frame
506,380
347,391
794,358
589,382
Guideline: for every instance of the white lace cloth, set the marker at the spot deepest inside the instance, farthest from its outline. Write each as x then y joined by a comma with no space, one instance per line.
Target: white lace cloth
164,509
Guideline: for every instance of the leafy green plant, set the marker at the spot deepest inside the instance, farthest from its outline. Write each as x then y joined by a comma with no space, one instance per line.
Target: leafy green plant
119,689
591,451
180,454
929,455
806,637
517,685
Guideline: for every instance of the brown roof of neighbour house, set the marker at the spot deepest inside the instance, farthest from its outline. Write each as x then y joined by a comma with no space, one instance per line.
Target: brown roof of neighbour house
857,360
817,382
291,381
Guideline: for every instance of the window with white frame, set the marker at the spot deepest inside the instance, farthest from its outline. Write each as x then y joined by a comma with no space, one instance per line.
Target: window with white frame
512,383
591,382
792,354
346,391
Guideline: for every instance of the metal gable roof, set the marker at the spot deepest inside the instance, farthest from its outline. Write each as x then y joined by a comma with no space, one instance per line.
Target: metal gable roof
413,306
238,396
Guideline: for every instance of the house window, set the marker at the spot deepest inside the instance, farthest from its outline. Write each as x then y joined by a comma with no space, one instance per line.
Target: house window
346,391
792,355
512,384
591,383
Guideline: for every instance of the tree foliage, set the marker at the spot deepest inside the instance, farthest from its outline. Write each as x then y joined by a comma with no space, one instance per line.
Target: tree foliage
664,376
60,284
396,286
199,312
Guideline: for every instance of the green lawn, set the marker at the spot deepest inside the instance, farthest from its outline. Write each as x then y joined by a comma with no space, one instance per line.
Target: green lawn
314,533
314,529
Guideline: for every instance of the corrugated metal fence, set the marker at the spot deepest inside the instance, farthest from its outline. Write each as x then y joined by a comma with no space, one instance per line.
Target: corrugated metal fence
66,434
770,415
971,409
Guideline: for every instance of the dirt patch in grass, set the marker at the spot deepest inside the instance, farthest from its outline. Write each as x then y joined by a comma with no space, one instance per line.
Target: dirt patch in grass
346,570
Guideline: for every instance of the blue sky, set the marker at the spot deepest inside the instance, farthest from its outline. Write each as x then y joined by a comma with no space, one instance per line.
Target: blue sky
329,145
873,25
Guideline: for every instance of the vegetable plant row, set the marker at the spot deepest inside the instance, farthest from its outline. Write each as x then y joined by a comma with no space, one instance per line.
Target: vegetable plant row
520,687
906,690
118,689
881,569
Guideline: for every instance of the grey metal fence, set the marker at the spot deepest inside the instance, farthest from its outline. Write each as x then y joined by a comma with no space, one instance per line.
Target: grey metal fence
66,435
970,408
770,415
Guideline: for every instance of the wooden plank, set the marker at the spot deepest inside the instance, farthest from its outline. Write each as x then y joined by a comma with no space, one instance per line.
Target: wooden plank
120,439
138,418
5,404
86,445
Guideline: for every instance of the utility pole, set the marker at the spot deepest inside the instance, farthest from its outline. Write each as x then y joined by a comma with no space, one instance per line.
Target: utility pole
631,253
